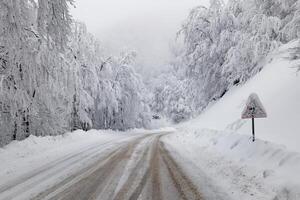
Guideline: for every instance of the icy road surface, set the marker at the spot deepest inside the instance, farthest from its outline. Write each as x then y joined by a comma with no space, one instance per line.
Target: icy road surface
135,167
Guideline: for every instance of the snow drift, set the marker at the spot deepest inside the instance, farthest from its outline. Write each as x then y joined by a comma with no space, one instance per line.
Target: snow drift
219,143
278,86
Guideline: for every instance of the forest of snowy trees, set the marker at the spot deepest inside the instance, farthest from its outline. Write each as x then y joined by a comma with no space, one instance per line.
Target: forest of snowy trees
54,77
223,45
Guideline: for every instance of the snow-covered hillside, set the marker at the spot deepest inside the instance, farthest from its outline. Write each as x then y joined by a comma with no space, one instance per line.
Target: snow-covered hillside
218,147
278,86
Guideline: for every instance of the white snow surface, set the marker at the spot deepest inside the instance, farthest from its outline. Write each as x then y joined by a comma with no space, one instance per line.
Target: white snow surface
278,87
217,144
235,166
215,149
34,152
44,161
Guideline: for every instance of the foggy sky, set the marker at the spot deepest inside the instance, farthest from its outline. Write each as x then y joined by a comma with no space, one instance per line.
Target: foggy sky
147,26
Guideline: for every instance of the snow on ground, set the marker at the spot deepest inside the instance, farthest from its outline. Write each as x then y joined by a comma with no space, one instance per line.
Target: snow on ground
218,143
278,87
238,167
215,148
153,131
39,166
20,157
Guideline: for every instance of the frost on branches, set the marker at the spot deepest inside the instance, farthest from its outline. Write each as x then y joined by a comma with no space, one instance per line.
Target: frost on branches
53,77
224,45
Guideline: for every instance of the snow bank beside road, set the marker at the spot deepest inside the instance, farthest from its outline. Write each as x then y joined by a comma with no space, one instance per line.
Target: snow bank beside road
39,163
244,170
20,157
38,145
278,87
34,145
218,142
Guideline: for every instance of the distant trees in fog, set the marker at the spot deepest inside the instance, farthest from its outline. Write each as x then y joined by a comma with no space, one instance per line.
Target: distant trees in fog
224,45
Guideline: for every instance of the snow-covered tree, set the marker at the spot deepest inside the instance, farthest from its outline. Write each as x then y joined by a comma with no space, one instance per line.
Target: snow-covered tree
54,21
226,44
54,78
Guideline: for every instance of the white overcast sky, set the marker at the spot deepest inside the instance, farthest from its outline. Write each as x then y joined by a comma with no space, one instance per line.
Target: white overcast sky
147,26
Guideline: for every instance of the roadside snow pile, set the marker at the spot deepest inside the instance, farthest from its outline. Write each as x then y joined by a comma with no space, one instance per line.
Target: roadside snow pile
218,142
34,145
20,157
278,87
241,168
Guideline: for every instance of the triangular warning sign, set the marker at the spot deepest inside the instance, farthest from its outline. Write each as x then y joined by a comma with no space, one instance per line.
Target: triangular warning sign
254,108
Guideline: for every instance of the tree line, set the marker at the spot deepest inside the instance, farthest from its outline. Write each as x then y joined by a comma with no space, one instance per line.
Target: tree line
221,46
54,77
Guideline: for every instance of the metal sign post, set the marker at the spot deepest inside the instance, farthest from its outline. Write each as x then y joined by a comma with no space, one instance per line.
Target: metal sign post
253,130
254,109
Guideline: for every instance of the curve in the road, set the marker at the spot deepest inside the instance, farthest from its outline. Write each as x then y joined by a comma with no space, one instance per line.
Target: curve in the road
152,174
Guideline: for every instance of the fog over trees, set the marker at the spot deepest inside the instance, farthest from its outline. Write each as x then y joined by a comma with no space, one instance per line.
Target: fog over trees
54,76
223,45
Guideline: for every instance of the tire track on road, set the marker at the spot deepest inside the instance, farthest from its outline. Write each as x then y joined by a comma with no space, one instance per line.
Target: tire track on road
151,170
33,179
126,189
184,186
88,182
153,174
39,171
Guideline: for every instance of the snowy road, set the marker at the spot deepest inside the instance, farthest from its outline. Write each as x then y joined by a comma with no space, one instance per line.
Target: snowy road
137,167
